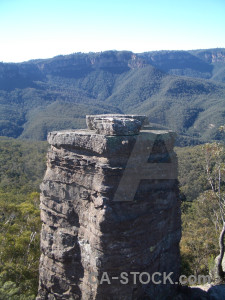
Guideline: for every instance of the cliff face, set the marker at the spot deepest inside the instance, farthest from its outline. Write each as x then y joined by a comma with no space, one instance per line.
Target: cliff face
97,224
211,55
80,64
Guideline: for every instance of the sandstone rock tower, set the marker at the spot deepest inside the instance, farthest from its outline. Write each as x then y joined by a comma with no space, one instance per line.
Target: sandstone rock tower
110,207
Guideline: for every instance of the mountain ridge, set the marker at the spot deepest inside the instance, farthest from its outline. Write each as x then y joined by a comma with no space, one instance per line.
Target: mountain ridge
182,90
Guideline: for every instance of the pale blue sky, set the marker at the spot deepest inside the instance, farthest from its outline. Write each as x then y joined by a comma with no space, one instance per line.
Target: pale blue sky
44,28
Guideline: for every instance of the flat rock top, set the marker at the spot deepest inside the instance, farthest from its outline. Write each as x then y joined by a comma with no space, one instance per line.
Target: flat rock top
116,124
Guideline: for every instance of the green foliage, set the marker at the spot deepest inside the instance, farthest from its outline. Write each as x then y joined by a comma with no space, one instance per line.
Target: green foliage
22,165
191,162
9,290
19,241
201,218
199,235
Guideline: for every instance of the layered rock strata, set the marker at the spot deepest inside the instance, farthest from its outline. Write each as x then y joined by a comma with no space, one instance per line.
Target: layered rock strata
110,207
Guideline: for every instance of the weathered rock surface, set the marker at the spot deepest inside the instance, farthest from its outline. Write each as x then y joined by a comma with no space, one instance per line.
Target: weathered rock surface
214,271
88,233
118,124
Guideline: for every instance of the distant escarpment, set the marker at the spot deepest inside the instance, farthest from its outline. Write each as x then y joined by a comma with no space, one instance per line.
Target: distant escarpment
181,90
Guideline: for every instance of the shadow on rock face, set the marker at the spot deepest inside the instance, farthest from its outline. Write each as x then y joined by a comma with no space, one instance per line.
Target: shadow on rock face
216,292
